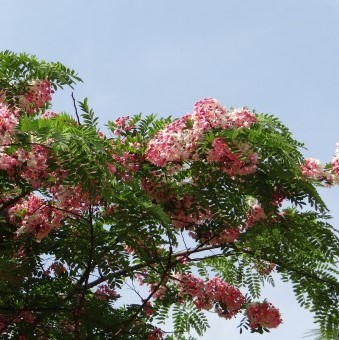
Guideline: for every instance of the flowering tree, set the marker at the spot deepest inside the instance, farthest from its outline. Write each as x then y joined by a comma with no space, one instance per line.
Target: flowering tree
191,215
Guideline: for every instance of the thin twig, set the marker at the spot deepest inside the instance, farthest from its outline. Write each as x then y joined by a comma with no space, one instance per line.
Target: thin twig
76,109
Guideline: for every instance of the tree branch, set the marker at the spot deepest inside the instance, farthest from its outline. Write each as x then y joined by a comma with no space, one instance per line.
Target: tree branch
76,109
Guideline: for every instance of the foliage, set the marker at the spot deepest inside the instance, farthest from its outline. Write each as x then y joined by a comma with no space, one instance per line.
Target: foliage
183,214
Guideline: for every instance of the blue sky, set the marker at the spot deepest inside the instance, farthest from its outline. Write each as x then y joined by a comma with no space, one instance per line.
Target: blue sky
149,56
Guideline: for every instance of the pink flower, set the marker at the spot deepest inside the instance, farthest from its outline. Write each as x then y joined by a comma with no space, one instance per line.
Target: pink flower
39,92
104,293
312,169
193,287
257,213
7,162
49,114
335,161
112,169
34,215
263,314
178,141
225,295
8,121
148,309
122,125
226,298
229,235
156,334
36,164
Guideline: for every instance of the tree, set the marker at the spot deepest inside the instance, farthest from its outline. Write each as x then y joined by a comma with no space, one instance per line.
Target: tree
84,215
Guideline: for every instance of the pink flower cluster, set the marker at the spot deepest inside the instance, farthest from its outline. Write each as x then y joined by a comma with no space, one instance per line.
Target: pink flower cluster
122,124
36,216
104,293
26,316
58,269
23,316
312,169
335,162
70,199
39,217
38,93
8,121
263,315
156,334
3,323
179,140
257,213
148,309
8,163
231,162
265,268
189,220
36,164
183,218
129,160
49,115
30,165
228,235
156,189
226,298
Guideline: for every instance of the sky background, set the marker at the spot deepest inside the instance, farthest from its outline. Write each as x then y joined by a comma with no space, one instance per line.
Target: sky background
278,57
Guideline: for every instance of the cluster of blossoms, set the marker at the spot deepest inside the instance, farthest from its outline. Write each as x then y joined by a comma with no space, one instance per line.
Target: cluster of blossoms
57,268
31,165
226,298
122,125
257,213
157,190
265,267
36,216
148,308
104,293
70,199
335,162
313,169
231,162
182,217
8,163
179,140
156,334
128,160
228,235
37,95
8,121
263,315
24,316
36,164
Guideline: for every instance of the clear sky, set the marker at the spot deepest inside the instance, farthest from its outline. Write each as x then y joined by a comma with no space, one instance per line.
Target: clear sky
156,56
